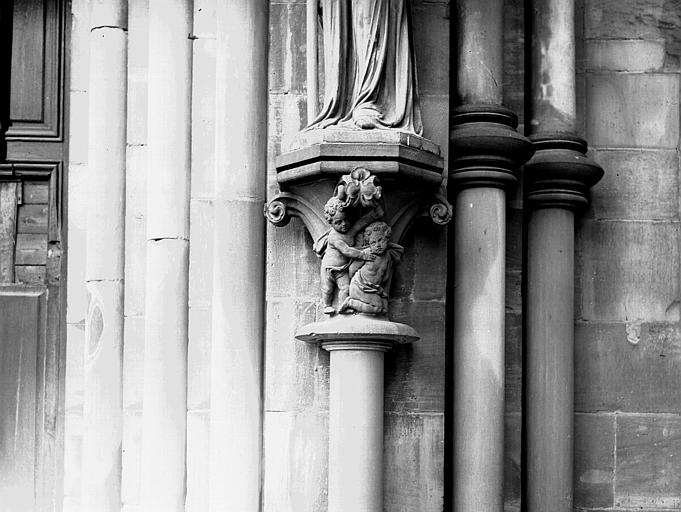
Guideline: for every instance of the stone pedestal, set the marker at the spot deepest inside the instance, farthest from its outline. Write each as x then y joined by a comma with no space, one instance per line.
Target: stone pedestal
357,344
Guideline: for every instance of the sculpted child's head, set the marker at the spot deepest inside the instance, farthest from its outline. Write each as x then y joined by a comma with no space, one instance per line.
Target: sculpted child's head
377,237
336,216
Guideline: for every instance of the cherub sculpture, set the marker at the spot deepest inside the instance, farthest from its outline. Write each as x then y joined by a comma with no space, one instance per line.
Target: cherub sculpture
337,251
370,278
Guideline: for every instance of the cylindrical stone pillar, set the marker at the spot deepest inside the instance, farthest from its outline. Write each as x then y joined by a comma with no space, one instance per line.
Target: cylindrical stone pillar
105,239
356,426
553,67
485,153
312,20
558,179
239,256
164,421
357,344
480,51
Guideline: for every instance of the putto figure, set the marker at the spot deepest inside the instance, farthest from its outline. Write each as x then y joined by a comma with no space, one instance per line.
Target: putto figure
370,279
357,255
370,73
337,251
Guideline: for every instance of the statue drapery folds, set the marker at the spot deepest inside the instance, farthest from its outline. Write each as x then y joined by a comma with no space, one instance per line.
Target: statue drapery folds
370,72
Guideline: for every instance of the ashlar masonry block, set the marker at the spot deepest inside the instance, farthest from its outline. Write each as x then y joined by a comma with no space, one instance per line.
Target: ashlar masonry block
632,110
628,271
648,473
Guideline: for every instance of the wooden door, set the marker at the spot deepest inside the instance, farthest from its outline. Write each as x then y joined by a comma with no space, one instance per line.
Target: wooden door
33,82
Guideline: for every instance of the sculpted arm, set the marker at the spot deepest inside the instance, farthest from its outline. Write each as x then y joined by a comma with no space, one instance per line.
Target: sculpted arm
349,251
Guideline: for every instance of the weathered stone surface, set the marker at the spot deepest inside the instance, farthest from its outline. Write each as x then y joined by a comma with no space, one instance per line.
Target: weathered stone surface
296,373
648,469
513,353
133,363
204,18
512,462
202,220
78,127
514,299
435,113
198,445
75,346
198,359
627,367
292,267
415,373
627,270
413,464
73,455
594,460
514,58
296,462
131,458
422,272
625,55
634,19
638,184
431,42
135,229
137,104
287,67
514,239
620,116
203,120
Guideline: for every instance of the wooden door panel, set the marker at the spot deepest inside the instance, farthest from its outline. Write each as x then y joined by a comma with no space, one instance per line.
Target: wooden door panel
37,65
22,331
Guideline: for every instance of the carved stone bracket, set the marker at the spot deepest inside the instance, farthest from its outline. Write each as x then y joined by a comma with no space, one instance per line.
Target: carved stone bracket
560,174
409,167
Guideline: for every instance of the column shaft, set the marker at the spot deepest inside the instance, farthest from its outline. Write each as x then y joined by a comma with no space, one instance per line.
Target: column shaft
165,347
553,67
550,340
479,259
105,239
312,65
480,51
238,261
356,430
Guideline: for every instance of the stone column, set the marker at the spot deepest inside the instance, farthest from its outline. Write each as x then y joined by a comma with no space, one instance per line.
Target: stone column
486,153
357,345
165,345
103,367
239,256
312,20
558,179
356,425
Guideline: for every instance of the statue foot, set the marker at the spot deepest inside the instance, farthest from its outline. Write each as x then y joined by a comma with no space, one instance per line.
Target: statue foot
344,307
329,310
366,122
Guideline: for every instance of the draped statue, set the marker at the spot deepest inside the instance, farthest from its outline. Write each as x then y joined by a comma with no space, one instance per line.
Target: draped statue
370,72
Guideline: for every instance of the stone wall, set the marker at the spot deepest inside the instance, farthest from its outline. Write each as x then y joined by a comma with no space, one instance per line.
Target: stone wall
628,338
